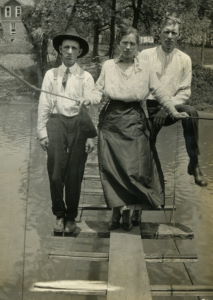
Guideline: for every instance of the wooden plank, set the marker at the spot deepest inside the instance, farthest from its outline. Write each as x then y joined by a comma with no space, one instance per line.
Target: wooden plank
104,256
88,191
92,229
92,164
87,228
165,231
86,206
91,177
89,256
127,268
72,287
170,258
181,290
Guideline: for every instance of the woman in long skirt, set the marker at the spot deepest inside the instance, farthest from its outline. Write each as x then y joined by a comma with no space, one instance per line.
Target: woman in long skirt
129,166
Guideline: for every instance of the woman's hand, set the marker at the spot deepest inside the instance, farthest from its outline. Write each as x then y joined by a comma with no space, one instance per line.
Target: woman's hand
180,115
44,143
90,145
160,117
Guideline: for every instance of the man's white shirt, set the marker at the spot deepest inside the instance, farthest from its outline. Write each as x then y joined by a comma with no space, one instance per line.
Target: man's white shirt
80,85
174,70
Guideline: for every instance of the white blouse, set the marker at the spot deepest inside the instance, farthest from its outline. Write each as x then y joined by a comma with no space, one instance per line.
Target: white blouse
133,84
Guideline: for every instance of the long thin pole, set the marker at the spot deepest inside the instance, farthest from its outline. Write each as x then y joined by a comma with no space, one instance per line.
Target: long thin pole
33,87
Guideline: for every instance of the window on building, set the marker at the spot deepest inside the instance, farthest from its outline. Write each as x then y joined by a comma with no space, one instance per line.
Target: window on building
7,11
13,28
18,11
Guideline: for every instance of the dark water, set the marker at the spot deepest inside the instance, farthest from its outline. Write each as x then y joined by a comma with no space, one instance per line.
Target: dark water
25,211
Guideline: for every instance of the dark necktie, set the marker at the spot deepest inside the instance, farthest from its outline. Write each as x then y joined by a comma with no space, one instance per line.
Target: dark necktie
65,77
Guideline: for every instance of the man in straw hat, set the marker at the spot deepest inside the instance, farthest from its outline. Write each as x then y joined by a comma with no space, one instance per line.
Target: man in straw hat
63,130
174,70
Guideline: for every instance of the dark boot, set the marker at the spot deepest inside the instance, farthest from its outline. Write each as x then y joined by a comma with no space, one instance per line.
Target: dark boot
126,218
115,221
136,217
194,169
70,227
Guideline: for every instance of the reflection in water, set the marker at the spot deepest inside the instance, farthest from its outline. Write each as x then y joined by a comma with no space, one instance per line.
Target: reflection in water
25,181
194,204
14,156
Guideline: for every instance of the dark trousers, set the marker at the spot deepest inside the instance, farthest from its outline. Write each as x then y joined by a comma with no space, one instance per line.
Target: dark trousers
190,127
65,163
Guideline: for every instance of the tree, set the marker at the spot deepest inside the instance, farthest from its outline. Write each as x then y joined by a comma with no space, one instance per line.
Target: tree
95,14
112,29
136,12
42,22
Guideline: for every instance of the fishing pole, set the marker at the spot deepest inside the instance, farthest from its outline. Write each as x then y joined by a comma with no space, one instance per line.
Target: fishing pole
33,87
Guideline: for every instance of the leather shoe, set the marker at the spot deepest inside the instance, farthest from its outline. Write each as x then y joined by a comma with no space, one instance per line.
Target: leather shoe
136,217
70,227
59,225
115,220
126,218
198,175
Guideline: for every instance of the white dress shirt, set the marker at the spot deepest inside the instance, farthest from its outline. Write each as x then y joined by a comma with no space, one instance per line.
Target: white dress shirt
80,85
133,84
174,70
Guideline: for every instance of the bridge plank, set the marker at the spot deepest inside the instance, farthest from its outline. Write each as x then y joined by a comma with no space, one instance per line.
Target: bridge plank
127,275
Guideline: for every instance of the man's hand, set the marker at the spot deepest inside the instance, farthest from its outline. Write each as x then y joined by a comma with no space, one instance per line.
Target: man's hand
160,117
90,145
44,143
181,115
86,102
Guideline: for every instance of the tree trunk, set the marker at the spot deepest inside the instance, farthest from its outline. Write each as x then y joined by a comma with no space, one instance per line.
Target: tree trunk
39,74
95,54
112,30
202,48
136,14
71,17
44,52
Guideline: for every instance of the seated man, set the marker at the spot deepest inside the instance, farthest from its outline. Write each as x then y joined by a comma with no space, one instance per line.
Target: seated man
174,70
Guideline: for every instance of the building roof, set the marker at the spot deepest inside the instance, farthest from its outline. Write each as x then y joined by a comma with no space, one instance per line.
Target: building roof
22,2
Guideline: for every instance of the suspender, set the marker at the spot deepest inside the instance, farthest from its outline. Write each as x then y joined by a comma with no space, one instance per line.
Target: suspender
55,76
85,123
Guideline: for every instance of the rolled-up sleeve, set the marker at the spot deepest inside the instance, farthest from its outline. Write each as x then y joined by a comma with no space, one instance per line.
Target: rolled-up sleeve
160,93
184,90
45,105
90,92
100,83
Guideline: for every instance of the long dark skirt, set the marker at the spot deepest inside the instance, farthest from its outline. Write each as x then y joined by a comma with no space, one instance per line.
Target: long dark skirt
129,166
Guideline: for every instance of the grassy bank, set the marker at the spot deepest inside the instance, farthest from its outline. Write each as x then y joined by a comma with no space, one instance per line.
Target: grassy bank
202,88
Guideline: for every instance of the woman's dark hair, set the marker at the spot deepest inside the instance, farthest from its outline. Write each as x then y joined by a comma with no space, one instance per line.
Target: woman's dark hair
126,30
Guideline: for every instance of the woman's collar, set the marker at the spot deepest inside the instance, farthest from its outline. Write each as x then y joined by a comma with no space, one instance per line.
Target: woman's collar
136,62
